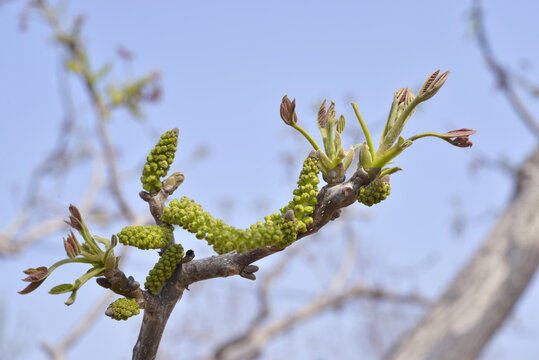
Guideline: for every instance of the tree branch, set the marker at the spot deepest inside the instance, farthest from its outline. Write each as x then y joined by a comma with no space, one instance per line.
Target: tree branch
158,308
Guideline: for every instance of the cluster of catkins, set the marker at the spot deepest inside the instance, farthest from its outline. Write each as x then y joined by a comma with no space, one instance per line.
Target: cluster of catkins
277,229
146,237
122,309
171,257
159,161
375,192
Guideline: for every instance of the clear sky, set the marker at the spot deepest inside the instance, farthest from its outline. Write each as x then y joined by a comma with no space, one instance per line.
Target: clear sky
225,66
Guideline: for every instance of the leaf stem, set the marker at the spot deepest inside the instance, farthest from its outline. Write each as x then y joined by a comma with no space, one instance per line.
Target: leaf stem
365,129
306,135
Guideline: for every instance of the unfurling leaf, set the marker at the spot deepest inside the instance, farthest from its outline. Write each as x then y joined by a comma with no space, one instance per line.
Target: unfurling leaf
61,289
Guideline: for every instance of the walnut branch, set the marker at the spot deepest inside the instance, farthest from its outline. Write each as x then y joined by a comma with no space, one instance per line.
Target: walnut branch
158,307
330,200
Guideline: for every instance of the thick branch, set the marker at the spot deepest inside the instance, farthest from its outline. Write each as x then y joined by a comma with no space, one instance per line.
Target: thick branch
480,298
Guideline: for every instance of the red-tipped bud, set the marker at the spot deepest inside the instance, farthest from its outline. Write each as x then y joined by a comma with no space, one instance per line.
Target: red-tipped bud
461,137
432,85
288,111
75,219
75,212
72,246
322,115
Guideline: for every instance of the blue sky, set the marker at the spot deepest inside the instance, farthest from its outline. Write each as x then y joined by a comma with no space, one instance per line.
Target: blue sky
225,67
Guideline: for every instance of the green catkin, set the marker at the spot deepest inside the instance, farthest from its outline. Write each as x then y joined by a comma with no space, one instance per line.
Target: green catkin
159,161
373,193
274,231
164,268
305,194
122,309
146,237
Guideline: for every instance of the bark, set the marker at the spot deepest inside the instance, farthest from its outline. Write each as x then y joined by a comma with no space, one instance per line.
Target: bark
480,298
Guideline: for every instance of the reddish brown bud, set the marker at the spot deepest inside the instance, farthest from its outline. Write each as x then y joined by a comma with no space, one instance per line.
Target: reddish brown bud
72,246
288,110
75,212
461,137
433,84
75,219
461,141
322,115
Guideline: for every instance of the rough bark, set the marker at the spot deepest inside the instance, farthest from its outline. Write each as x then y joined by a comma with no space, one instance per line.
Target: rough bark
480,298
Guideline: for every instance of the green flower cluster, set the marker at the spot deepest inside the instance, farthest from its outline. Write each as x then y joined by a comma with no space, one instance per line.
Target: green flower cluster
122,309
276,230
305,194
373,193
146,237
159,161
164,268
223,237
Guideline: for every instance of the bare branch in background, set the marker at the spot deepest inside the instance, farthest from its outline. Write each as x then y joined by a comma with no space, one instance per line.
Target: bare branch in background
20,233
480,298
250,346
475,305
251,342
501,75
59,350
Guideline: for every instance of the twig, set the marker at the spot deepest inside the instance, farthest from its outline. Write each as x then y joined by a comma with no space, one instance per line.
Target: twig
11,242
58,351
74,48
252,344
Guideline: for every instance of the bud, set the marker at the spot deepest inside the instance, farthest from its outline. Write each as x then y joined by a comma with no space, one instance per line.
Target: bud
174,180
454,137
75,219
72,246
432,85
288,111
322,115
340,124
365,157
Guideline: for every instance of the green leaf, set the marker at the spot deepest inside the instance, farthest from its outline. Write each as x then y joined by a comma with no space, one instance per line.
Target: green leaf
61,289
